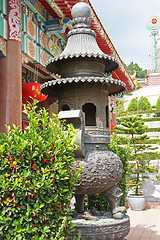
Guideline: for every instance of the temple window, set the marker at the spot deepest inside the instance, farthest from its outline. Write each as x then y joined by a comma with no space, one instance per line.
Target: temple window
65,108
90,114
107,117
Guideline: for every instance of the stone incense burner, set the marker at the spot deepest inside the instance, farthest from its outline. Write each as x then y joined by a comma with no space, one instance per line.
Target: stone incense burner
83,91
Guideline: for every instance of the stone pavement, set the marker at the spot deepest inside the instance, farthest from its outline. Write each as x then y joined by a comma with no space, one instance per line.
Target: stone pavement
145,225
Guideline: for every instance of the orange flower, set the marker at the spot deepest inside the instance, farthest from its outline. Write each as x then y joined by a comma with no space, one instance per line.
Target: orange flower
21,179
14,163
7,200
6,175
34,214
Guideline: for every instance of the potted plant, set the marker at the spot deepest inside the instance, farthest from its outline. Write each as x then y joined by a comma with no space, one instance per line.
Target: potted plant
138,168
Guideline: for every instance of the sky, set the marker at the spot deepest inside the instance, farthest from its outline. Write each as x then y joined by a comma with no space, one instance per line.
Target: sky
125,23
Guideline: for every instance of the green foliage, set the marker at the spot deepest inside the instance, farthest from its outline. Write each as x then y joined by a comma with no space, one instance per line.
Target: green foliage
134,130
36,179
124,153
133,105
98,201
158,104
138,85
158,176
156,112
153,130
144,104
152,119
119,105
139,72
124,140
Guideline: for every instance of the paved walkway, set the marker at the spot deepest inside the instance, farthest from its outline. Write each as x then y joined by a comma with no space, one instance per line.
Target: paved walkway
145,225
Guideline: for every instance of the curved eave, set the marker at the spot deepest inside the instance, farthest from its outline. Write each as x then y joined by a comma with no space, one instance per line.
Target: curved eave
119,74
114,86
53,65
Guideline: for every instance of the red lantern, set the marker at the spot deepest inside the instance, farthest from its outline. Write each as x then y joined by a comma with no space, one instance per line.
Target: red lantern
32,90
112,126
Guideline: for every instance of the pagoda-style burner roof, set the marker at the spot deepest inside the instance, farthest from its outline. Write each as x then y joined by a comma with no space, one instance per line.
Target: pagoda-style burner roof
82,43
111,63
82,61
114,86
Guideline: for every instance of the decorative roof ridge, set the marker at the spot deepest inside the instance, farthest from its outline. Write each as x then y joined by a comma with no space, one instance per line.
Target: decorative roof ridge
82,79
100,55
81,30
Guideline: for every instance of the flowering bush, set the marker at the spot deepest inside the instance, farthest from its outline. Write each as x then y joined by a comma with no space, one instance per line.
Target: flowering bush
36,178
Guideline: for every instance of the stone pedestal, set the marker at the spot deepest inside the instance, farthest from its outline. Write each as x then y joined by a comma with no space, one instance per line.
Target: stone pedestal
103,229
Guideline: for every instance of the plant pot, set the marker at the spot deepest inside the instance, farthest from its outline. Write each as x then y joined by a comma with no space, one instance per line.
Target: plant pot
137,203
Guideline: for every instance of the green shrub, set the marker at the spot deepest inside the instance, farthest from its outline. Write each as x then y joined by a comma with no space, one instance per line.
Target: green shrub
124,153
152,141
158,104
36,179
141,105
135,129
133,105
152,119
153,130
144,104
124,140
98,201
119,105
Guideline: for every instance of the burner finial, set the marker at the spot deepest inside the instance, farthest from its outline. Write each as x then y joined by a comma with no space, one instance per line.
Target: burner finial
81,15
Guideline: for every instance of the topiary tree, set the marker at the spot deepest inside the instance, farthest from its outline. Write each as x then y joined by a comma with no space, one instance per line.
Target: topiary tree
144,104
158,104
132,105
36,179
133,129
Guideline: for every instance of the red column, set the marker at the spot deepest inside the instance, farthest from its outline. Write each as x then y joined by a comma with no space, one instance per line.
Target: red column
112,112
11,70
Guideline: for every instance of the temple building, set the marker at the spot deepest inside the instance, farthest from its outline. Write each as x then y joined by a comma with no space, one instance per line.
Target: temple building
31,33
